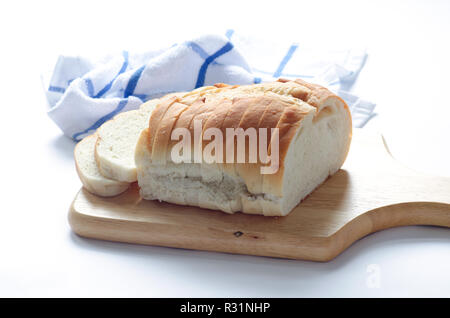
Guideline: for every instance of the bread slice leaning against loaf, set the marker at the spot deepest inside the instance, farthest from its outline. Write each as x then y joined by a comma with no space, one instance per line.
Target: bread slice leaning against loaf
89,173
314,134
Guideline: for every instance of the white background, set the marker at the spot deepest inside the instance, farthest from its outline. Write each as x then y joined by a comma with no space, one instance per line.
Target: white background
407,75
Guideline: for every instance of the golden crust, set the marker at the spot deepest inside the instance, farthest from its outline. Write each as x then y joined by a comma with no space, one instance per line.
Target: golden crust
268,120
162,136
157,115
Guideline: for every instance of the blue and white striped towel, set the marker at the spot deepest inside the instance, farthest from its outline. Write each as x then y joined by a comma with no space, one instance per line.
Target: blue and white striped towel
83,94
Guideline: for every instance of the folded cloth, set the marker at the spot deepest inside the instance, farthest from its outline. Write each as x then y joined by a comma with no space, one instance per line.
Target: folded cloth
84,93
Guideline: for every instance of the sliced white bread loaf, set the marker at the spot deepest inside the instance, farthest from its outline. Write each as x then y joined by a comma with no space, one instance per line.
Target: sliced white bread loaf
89,173
114,151
314,138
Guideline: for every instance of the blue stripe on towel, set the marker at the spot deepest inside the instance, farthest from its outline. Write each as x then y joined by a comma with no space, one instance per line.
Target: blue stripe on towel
56,89
210,59
200,51
333,83
229,33
104,118
90,86
257,80
197,49
285,60
129,90
122,69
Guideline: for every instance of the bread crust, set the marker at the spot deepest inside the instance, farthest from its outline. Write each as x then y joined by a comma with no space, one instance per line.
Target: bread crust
164,131
284,105
157,115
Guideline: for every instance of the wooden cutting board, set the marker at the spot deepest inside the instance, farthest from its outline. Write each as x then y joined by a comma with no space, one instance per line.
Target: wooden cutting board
370,193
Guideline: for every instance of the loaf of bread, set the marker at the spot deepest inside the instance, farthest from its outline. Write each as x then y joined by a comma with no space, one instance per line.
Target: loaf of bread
307,129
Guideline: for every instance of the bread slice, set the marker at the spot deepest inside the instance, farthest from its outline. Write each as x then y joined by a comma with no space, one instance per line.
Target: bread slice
314,134
89,173
114,151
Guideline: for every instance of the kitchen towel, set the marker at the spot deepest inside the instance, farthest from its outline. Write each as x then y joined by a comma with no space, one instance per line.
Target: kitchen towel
84,93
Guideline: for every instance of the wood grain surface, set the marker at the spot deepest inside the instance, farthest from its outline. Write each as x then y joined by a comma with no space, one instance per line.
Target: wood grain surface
371,192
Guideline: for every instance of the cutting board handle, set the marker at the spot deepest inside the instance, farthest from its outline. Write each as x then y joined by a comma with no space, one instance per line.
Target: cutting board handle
402,214
400,196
